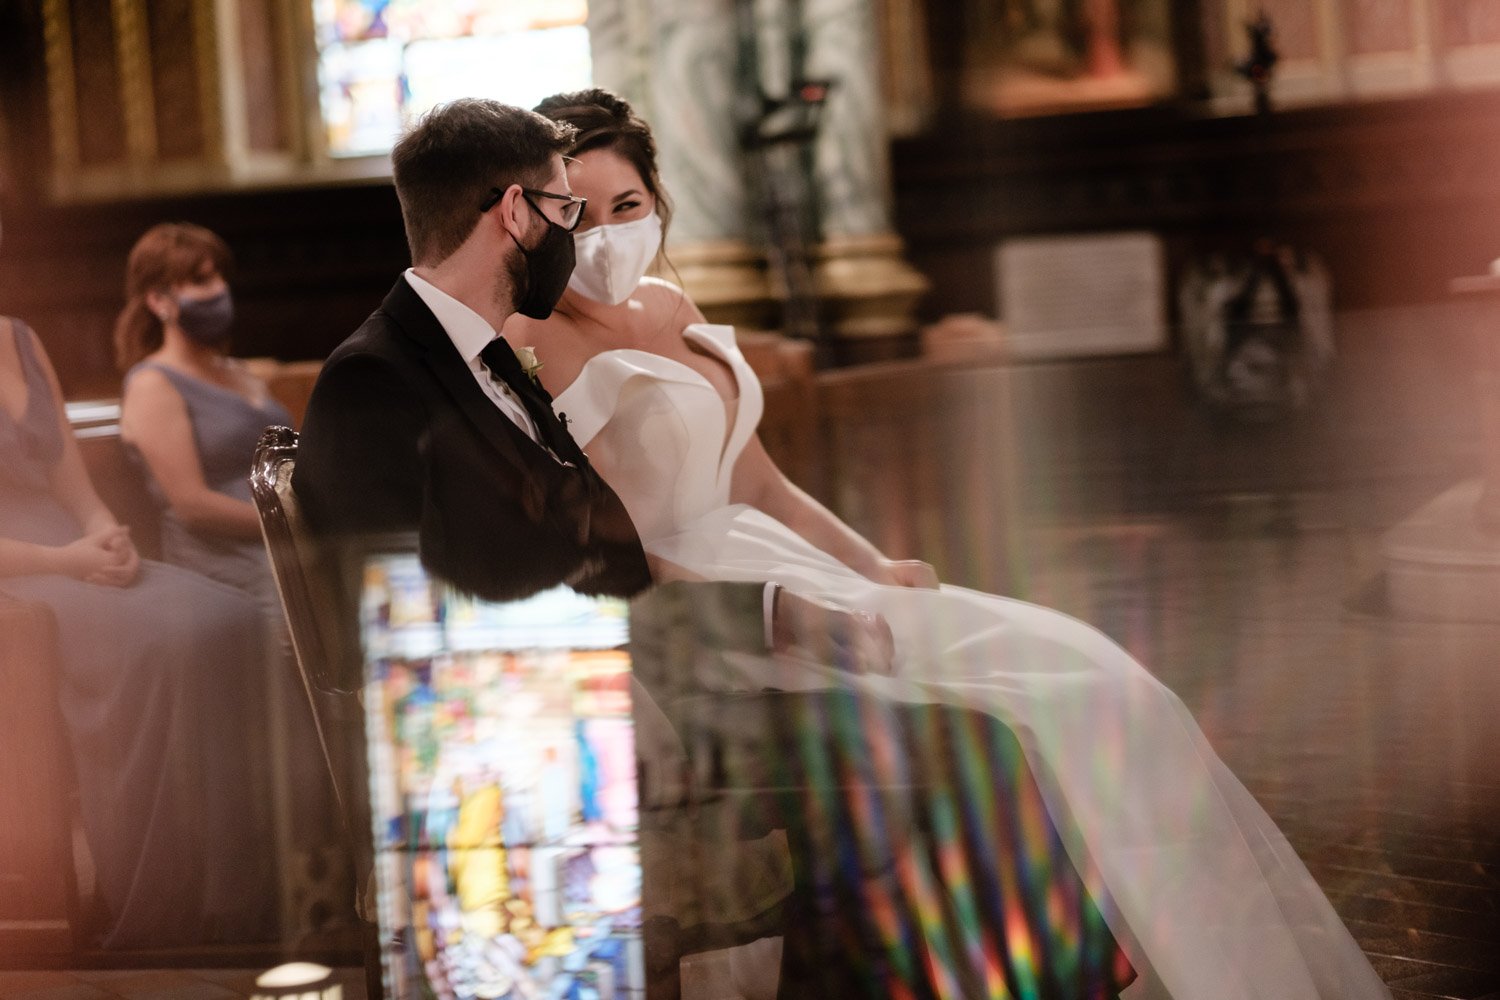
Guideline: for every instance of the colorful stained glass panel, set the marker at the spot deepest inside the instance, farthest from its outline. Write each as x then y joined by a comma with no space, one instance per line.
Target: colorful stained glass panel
519,68
362,96
383,62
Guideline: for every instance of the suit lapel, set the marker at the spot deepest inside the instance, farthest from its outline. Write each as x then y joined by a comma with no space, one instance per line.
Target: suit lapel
442,359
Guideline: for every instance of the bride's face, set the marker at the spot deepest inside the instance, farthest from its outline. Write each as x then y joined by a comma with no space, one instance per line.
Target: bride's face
614,188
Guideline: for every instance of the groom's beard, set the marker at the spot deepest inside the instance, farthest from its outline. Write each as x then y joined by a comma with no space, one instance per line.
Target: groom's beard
513,278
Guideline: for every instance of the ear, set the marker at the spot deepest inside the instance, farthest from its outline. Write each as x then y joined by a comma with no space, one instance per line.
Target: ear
162,305
513,213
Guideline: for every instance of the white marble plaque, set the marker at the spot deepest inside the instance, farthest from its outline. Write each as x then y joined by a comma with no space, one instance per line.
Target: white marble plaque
1065,296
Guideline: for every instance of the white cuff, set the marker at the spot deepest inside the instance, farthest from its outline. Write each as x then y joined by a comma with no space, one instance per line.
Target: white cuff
768,614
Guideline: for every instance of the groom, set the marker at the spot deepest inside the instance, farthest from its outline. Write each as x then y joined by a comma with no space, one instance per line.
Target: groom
426,421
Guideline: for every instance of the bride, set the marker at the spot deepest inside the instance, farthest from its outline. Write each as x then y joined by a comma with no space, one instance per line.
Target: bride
1205,894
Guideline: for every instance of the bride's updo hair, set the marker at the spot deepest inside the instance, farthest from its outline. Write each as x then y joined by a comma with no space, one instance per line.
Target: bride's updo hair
605,120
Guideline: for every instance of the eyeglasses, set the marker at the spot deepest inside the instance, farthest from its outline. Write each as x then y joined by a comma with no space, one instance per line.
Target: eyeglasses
572,210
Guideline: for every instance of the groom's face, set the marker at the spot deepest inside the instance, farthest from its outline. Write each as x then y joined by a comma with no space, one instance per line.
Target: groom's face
529,214
530,227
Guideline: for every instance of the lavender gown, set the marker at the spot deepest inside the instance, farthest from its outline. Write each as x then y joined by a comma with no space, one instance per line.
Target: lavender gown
156,680
226,427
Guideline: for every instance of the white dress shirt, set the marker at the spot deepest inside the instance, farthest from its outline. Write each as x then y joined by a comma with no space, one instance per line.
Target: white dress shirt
470,335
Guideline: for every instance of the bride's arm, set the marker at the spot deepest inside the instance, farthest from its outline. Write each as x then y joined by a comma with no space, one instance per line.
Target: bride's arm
666,571
758,482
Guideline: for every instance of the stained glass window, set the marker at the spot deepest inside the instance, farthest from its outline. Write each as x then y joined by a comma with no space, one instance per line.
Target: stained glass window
382,63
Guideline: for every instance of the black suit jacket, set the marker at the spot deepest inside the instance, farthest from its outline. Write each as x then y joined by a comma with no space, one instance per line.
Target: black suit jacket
399,438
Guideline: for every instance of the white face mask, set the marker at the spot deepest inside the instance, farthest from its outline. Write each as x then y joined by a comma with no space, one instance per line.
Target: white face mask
613,259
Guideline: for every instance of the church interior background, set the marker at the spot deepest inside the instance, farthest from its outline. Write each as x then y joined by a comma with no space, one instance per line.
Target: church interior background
1049,297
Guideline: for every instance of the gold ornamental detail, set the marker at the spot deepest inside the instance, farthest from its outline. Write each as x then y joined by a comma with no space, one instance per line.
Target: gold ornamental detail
62,86
134,52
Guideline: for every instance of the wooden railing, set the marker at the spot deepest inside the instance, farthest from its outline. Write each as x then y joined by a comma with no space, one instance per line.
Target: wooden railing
919,458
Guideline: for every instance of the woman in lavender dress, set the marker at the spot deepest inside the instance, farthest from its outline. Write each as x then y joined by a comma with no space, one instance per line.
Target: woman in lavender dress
157,665
192,416
190,412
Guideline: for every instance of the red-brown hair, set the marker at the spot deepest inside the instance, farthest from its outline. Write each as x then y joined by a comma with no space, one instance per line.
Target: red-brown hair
172,253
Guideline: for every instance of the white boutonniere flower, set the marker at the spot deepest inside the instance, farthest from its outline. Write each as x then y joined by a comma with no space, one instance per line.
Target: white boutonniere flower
529,364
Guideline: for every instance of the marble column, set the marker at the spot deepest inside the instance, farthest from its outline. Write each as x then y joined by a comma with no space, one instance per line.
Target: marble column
869,291
620,49
679,62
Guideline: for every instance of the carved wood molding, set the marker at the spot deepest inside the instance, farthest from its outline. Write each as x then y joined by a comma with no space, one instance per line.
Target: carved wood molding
175,83
134,53
212,66
62,90
1161,167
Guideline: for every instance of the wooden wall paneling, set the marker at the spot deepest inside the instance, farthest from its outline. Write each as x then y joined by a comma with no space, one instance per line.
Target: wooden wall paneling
1193,48
134,41
1398,196
1336,49
1374,27
24,143
1220,39
61,87
266,63
1468,42
94,121
1309,38
168,96
1467,22
1390,46
264,58
945,48
176,81
218,103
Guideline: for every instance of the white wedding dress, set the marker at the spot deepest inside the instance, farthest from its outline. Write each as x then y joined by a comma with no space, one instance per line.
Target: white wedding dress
1204,893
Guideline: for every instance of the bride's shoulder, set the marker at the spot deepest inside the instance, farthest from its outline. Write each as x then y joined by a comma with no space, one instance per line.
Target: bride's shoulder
665,301
652,286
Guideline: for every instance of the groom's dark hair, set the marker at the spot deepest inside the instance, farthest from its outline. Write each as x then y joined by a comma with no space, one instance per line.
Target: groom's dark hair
446,164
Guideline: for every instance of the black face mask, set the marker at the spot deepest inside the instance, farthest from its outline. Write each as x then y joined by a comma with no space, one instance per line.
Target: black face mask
549,265
206,320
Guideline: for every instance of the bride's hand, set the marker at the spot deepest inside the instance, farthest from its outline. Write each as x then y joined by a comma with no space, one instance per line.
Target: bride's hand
908,573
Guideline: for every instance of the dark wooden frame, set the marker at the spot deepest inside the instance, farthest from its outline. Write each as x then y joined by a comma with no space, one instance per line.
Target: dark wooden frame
317,657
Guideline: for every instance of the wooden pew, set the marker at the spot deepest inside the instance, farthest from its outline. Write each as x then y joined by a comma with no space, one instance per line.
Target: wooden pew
791,426
290,382
38,889
117,479
920,458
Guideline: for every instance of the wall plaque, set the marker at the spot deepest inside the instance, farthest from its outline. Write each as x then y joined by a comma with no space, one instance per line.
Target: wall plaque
1079,295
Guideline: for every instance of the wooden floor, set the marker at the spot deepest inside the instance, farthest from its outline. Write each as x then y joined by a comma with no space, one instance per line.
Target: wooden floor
1240,565
1371,741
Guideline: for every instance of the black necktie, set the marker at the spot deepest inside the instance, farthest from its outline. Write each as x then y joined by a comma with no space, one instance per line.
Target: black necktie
500,359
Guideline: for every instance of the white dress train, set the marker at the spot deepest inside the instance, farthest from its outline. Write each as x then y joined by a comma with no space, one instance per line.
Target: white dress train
1204,893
